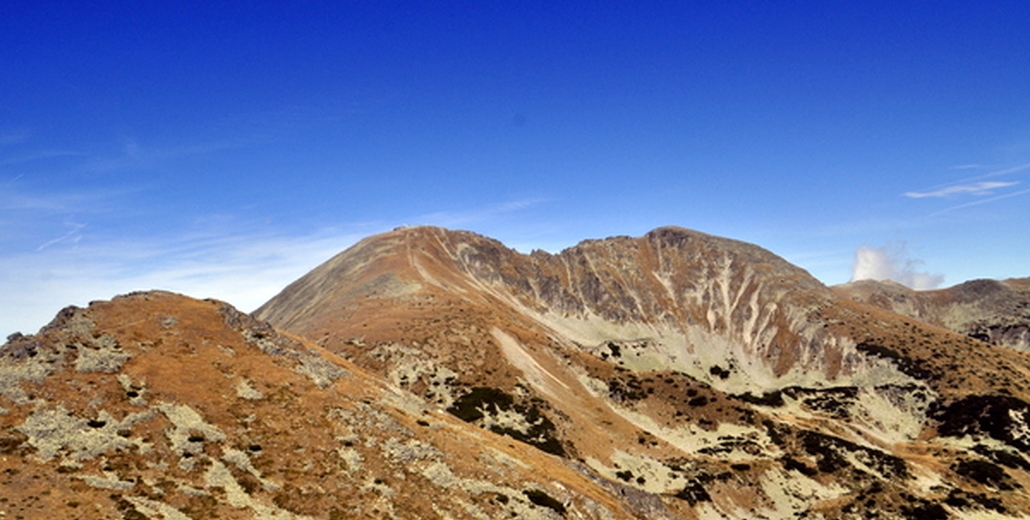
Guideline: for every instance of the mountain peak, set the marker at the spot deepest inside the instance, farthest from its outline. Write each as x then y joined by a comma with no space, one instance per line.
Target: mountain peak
643,336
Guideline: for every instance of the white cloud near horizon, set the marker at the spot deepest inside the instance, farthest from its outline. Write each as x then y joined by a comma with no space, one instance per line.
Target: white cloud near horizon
883,263
243,270
978,189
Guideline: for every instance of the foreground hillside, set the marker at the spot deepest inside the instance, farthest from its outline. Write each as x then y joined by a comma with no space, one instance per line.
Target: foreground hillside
702,371
159,406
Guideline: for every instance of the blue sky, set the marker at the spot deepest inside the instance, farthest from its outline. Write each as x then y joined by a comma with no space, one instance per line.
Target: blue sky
224,150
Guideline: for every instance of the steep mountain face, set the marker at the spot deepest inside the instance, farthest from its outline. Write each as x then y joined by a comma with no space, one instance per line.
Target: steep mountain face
996,312
706,374
682,296
159,406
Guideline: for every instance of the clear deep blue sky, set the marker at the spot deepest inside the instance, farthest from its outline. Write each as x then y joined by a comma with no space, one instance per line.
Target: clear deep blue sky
224,150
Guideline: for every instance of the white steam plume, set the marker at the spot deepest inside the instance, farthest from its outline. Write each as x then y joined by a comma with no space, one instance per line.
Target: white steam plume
882,263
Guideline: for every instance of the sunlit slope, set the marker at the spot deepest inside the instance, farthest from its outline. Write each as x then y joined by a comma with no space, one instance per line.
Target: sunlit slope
155,405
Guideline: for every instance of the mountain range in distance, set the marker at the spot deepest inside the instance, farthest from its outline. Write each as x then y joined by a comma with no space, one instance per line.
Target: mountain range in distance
430,373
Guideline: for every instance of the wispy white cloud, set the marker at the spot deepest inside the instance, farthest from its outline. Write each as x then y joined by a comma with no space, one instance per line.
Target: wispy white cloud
1009,171
978,189
518,205
974,185
985,191
73,235
983,201
19,147
131,154
892,263
13,137
245,269
16,197
453,219
39,155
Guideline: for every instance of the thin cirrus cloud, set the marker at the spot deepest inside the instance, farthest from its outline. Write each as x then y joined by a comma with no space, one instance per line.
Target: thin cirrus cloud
39,155
133,155
13,137
244,269
466,217
74,235
977,189
34,207
983,201
1008,171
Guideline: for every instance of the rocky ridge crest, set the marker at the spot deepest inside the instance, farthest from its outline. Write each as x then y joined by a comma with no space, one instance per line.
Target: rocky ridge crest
993,311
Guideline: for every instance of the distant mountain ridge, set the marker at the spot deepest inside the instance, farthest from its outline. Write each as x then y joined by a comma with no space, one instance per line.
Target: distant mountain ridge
993,311
431,373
